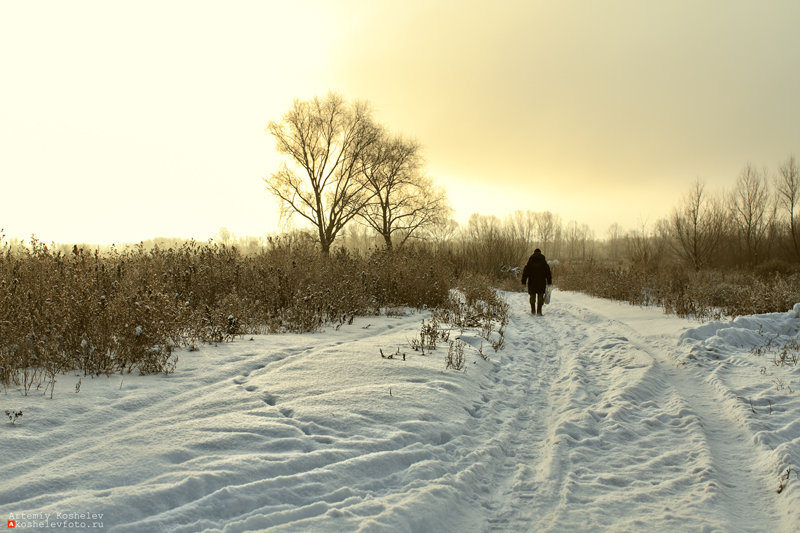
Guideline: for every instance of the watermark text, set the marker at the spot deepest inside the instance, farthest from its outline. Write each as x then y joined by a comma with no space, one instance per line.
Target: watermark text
58,520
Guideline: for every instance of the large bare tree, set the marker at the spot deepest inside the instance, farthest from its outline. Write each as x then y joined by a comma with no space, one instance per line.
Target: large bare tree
403,198
698,225
325,139
787,187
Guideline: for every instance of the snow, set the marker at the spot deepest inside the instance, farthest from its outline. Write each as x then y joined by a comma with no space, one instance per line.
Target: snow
598,416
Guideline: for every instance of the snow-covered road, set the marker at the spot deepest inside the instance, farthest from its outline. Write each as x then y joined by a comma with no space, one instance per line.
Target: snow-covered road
615,433
596,417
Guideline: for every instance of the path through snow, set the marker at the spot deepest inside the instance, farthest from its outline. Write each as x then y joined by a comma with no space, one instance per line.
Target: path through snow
621,437
596,417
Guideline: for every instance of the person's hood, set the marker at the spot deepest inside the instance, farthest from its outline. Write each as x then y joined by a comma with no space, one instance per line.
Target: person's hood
537,256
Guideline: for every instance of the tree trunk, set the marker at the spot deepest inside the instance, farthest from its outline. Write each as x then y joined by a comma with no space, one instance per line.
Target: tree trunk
388,238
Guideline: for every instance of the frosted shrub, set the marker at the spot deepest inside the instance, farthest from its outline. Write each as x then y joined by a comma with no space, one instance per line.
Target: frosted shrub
429,335
455,356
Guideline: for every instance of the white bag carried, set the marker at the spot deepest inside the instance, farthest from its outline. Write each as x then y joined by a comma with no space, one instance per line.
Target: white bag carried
547,292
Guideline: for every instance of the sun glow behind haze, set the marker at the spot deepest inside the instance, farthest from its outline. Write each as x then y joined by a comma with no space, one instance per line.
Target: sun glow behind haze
128,121
123,122
601,111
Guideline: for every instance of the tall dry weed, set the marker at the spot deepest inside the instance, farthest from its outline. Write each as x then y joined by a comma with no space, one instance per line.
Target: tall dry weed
704,295
128,309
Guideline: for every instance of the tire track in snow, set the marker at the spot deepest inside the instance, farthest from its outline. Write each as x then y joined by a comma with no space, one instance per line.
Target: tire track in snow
744,495
610,436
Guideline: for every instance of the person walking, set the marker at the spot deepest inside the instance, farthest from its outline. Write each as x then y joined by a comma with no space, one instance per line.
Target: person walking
538,276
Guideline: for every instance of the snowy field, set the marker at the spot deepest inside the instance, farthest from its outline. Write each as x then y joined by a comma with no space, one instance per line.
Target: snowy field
596,417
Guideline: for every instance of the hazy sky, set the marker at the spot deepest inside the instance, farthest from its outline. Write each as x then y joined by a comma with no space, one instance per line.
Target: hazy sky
124,121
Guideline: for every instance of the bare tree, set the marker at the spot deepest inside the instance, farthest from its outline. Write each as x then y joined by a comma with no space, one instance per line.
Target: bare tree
225,237
491,246
325,138
639,252
523,224
698,224
587,242
647,247
787,187
614,239
403,198
548,230
441,233
661,238
580,241
572,234
750,212
358,237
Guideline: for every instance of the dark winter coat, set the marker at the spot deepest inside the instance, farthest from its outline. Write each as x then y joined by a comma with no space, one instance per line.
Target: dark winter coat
537,274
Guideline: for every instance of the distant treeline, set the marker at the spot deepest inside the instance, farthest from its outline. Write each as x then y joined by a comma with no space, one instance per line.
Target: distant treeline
752,227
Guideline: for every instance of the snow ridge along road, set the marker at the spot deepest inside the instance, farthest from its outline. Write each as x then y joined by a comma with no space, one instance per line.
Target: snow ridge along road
596,417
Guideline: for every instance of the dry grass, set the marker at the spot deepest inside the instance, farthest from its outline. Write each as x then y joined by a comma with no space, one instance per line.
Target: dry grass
705,295
125,310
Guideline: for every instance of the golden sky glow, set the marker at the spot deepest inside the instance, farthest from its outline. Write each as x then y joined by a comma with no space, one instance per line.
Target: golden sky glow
127,121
